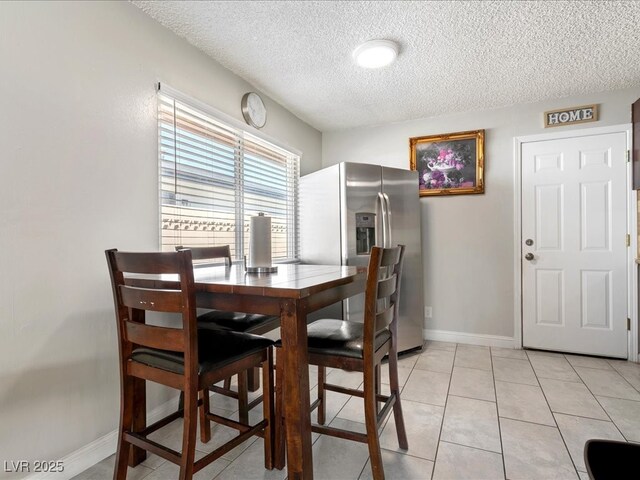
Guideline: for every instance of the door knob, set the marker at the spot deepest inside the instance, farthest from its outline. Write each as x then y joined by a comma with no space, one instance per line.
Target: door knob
529,256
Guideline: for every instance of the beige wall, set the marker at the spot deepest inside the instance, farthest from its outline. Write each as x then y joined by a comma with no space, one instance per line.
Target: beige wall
78,175
468,241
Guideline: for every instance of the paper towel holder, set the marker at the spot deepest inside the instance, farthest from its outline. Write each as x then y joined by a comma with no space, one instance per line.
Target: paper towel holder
259,259
272,269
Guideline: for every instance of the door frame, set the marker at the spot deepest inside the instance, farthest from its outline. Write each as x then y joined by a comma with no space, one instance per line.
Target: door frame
632,277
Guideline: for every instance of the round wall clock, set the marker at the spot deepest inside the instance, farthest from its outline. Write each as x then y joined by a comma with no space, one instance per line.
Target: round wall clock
253,110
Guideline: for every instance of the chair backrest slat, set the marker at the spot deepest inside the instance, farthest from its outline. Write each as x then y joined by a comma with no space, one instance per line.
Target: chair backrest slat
387,287
384,318
152,299
153,336
382,294
147,262
209,253
390,256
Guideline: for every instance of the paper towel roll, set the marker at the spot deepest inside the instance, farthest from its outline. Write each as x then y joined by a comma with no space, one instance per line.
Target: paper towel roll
260,241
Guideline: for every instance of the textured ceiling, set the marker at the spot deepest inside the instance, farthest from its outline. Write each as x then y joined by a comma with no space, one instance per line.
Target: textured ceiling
454,56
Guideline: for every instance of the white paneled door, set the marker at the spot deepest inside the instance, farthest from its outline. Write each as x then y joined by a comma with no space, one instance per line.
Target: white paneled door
574,275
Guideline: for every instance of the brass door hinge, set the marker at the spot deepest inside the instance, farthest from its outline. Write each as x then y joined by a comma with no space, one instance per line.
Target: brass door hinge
628,240
628,324
628,155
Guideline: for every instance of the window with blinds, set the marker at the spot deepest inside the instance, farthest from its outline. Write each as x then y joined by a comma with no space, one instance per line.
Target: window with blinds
214,176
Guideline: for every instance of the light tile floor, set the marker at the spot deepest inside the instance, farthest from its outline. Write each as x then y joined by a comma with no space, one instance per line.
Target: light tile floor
471,412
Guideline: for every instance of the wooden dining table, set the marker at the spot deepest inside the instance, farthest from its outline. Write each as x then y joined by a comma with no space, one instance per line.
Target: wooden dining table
292,292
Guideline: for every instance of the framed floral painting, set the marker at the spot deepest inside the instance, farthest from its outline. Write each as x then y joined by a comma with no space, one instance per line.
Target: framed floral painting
450,164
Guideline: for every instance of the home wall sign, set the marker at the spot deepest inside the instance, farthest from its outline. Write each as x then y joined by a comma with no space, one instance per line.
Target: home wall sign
571,116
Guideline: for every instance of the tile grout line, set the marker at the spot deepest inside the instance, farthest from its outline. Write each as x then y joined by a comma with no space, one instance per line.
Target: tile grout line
495,391
470,398
598,401
529,421
470,368
472,448
619,373
615,371
553,416
444,411
617,398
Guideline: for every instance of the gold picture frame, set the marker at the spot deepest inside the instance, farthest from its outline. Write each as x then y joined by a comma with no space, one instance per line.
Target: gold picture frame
449,164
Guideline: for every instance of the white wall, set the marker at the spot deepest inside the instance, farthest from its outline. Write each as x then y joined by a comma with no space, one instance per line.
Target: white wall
78,175
467,240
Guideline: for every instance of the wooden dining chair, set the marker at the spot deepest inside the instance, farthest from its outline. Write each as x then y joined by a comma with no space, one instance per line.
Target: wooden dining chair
257,324
185,358
360,347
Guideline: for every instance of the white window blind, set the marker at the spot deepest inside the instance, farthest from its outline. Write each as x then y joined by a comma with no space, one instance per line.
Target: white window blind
214,176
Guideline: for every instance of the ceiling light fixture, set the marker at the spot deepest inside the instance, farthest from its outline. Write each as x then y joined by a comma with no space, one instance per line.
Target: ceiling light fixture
376,53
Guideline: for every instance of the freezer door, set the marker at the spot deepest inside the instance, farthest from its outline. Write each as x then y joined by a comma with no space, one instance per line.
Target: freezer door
360,209
401,189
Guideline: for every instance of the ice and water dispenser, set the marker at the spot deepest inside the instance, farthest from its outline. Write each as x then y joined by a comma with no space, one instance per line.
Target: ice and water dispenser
365,232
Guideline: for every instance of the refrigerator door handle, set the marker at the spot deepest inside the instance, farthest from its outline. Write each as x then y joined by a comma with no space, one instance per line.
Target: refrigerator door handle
383,214
387,218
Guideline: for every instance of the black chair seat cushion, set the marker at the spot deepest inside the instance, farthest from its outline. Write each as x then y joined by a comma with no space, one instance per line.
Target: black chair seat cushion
338,337
608,459
216,348
236,321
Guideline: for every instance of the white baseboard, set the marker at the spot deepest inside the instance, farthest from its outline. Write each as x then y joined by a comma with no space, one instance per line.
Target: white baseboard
105,446
468,338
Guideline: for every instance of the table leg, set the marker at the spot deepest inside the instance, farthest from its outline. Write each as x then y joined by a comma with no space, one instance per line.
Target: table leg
137,455
296,386
253,379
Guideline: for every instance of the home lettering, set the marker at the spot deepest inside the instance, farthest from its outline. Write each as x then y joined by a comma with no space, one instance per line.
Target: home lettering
575,115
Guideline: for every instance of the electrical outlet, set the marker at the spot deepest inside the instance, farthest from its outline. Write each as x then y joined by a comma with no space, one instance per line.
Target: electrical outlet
428,312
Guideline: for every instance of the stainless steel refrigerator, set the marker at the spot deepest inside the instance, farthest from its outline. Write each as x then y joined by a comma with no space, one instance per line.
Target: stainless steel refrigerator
346,209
